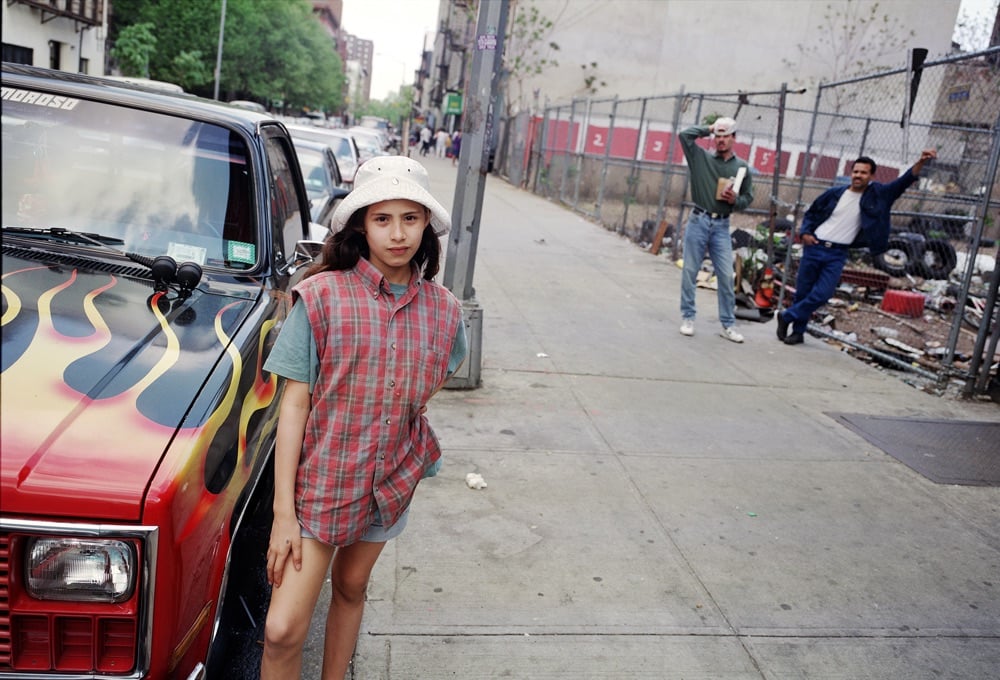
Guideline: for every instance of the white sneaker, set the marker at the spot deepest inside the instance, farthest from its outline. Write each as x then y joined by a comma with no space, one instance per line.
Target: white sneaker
687,327
729,334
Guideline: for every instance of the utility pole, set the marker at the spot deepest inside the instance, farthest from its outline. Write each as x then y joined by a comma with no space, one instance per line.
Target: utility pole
218,51
478,121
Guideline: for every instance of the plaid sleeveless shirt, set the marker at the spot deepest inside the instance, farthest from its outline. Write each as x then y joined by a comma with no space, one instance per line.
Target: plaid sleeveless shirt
366,444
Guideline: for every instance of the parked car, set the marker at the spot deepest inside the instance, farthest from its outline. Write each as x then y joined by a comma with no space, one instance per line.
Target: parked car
370,143
380,137
248,105
385,127
149,241
159,85
345,148
324,185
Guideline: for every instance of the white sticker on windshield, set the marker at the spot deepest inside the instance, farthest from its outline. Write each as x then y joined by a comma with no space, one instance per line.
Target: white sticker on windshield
182,252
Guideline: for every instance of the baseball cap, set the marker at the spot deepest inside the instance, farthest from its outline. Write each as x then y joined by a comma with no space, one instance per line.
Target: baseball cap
723,127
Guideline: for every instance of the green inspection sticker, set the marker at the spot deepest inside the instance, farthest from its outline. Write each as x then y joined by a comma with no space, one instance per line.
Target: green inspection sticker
239,251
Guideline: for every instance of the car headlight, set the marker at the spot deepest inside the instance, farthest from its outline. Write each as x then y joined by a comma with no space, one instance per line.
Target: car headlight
91,570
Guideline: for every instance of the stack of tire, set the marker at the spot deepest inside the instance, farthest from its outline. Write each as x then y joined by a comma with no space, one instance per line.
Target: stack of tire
917,255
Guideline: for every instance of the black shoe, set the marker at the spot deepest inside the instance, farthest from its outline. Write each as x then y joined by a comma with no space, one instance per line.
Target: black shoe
794,339
782,326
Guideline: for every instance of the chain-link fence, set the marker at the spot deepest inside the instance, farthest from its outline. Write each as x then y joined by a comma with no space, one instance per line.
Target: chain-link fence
619,163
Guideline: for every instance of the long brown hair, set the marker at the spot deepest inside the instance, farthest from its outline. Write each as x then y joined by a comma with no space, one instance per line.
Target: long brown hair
342,249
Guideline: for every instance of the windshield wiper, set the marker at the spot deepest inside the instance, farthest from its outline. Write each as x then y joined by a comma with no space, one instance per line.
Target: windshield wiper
65,235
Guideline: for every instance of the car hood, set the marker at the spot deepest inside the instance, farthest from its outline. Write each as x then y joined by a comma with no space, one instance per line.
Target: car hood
99,375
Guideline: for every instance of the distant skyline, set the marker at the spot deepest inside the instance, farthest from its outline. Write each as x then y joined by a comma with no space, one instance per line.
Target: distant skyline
397,28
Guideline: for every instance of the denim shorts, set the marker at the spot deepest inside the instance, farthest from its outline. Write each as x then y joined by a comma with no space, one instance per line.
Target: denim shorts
376,532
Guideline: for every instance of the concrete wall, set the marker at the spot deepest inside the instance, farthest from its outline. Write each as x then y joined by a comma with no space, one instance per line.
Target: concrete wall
653,47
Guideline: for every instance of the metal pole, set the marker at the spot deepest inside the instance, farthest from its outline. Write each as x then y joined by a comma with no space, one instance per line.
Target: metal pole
776,176
474,156
218,52
991,298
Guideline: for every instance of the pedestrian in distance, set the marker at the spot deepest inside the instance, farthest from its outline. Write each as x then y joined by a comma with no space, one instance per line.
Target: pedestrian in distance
425,140
369,339
456,146
841,218
441,142
720,184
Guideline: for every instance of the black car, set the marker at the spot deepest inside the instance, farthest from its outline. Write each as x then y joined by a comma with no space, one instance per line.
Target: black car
324,184
149,241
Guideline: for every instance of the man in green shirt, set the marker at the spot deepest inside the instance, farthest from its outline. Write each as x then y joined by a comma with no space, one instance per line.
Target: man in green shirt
720,184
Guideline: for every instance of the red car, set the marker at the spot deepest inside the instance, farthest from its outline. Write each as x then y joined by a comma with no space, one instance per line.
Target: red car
148,243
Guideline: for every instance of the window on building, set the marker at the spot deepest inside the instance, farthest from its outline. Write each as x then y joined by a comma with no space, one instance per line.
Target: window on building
18,55
84,65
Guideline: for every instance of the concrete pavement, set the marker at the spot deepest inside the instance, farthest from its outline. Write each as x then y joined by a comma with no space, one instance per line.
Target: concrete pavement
668,507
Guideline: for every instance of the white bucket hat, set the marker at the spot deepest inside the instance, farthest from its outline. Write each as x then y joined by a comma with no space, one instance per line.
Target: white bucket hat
387,178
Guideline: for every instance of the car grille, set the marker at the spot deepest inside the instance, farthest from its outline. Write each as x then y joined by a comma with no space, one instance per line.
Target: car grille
4,601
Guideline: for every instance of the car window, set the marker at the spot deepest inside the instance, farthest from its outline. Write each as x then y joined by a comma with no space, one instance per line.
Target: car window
164,185
286,216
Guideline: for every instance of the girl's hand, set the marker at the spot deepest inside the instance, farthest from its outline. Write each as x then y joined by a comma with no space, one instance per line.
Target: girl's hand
286,539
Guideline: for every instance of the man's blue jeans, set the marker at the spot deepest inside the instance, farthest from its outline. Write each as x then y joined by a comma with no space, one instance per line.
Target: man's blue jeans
704,233
816,282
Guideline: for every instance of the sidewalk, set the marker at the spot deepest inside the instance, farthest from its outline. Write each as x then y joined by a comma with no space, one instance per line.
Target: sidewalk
668,507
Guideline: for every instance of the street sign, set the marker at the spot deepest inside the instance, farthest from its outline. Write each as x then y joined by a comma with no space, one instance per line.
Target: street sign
452,103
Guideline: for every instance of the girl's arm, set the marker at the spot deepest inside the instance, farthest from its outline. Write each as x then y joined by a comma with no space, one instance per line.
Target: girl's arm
286,537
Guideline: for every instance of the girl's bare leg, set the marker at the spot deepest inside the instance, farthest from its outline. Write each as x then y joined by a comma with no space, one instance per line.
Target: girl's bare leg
352,567
290,612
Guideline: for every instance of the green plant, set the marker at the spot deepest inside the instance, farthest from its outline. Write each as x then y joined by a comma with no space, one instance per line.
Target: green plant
133,49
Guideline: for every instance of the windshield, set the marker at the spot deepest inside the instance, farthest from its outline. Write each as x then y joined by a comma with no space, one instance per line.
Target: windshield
345,159
164,185
314,172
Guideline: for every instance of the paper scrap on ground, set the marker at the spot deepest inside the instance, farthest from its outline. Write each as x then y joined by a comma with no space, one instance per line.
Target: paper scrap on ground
474,480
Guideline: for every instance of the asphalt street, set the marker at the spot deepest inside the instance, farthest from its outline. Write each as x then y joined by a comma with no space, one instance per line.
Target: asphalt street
659,506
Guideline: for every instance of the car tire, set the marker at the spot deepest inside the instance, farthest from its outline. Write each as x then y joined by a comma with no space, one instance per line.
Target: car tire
899,257
938,260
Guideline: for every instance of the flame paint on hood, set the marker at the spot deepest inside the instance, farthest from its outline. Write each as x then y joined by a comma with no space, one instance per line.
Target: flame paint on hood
100,377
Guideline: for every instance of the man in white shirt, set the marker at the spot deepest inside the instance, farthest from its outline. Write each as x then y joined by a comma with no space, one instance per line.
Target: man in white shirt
854,216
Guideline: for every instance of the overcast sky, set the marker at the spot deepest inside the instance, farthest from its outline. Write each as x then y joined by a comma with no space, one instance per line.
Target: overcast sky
399,28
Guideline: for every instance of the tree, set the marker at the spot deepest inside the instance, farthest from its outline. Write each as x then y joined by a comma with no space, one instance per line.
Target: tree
591,81
395,108
972,29
189,70
528,51
273,50
854,39
133,49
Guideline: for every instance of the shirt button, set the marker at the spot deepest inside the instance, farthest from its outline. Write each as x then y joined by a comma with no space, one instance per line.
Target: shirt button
394,345
392,383
387,421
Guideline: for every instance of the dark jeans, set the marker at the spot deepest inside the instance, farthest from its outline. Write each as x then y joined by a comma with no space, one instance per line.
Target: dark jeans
819,274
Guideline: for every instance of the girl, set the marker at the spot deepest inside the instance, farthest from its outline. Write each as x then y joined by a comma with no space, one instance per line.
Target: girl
369,339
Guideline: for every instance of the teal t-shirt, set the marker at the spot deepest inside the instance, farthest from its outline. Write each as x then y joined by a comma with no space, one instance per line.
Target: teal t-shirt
296,357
